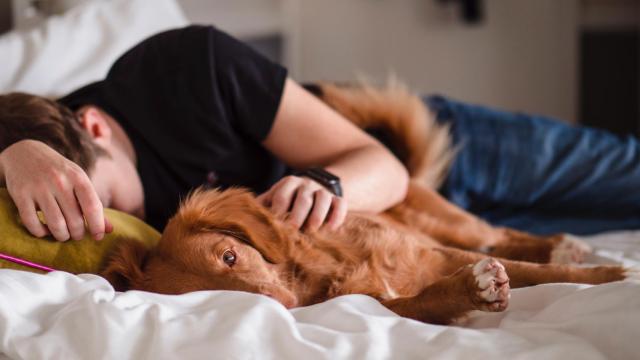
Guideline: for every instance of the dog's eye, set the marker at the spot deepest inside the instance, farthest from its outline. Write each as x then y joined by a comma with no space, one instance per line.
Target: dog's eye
229,257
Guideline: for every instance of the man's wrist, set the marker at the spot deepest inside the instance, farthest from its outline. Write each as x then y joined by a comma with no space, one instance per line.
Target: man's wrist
330,181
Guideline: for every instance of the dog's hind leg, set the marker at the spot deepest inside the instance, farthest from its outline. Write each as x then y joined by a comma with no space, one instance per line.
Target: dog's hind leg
428,212
555,249
482,286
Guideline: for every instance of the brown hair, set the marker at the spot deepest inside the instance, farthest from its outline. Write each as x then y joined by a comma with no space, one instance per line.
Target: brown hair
24,116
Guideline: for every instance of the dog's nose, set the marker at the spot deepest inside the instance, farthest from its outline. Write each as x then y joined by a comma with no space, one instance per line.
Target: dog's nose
288,301
291,303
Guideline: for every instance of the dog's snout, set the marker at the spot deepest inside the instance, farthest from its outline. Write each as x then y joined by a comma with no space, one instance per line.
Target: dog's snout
284,297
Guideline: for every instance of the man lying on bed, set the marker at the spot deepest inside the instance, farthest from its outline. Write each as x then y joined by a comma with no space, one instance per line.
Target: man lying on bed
194,107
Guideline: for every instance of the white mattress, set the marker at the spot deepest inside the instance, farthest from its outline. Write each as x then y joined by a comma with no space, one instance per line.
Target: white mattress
62,316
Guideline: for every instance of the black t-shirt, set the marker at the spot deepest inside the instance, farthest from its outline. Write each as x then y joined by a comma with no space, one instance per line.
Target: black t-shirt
196,103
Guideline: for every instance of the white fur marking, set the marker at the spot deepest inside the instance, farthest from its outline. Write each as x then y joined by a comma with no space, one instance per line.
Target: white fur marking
392,294
484,277
489,294
570,250
632,273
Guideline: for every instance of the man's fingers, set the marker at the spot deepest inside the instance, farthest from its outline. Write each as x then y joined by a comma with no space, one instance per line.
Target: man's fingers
53,217
108,227
321,205
305,204
92,209
338,213
29,217
72,215
301,207
283,194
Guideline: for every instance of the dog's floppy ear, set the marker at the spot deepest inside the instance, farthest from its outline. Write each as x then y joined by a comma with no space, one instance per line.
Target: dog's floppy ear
124,266
237,213
259,229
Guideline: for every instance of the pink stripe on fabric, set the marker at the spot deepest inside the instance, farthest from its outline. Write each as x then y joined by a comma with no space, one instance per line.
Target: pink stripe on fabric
25,262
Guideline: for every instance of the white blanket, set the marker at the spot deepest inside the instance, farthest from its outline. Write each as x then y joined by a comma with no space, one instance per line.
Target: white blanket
62,316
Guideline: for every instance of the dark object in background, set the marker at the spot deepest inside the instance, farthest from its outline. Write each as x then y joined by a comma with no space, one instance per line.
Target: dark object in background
472,11
610,80
6,13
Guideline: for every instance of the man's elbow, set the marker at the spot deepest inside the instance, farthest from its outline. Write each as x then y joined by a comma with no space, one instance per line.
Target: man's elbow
400,185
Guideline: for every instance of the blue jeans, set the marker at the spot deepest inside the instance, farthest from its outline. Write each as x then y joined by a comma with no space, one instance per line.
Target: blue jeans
540,175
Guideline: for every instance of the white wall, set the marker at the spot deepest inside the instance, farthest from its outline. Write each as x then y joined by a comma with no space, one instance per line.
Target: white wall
242,18
522,58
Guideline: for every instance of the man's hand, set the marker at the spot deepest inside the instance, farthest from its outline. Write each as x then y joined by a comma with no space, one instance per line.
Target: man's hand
39,178
305,202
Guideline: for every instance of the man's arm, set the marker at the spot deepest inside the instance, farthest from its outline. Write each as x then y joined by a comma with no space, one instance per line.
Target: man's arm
307,132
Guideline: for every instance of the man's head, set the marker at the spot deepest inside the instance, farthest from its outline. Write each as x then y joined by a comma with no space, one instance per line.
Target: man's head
24,116
89,137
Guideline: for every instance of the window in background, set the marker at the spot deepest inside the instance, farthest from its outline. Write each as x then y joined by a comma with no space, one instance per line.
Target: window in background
610,65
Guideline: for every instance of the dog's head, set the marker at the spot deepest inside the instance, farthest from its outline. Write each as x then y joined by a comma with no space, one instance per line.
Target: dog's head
218,240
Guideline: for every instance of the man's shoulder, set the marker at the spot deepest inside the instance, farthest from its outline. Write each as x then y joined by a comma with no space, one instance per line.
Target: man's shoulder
179,41
183,49
184,33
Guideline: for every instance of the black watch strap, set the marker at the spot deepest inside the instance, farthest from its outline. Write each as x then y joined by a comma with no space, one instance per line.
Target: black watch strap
324,178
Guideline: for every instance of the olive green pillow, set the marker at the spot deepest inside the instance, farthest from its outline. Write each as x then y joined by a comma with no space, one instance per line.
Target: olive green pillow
81,256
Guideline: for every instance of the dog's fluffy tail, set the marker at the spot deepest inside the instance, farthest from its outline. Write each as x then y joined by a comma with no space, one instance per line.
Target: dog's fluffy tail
400,120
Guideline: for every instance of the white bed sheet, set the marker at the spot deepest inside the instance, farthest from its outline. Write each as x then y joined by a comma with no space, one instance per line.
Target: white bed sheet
62,316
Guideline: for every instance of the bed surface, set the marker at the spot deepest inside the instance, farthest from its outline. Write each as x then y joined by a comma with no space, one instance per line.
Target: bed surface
63,316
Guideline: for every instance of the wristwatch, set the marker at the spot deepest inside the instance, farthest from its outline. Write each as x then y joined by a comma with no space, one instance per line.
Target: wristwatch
325,178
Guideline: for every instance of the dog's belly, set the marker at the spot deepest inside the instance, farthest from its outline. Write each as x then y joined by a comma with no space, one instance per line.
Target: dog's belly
373,230
388,261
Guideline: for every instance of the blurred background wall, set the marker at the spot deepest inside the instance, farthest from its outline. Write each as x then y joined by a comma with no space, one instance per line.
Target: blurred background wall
576,60
521,55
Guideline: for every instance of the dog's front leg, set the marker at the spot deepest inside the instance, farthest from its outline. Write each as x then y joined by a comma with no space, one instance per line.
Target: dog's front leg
524,273
481,286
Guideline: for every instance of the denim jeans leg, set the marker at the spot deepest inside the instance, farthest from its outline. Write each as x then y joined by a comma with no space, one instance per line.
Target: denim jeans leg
539,174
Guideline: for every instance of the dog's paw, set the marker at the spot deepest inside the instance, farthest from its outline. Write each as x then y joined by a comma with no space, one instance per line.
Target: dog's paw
570,250
492,285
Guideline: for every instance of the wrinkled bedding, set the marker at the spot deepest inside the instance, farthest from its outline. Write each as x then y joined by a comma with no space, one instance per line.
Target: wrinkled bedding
63,316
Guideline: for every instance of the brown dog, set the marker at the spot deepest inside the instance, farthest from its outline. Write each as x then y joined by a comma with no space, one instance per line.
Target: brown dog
414,258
